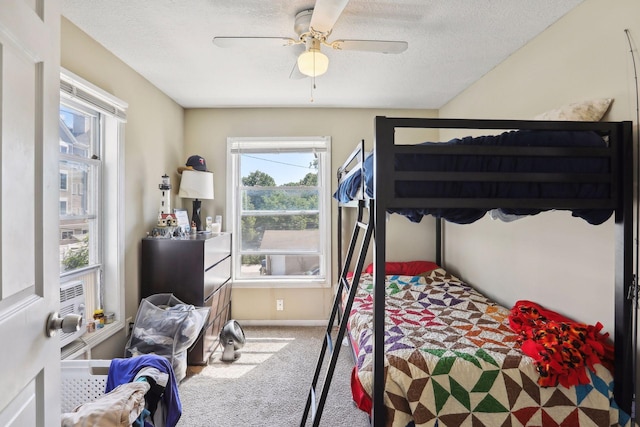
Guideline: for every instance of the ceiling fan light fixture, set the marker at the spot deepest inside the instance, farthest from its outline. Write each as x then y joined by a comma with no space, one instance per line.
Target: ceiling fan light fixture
313,63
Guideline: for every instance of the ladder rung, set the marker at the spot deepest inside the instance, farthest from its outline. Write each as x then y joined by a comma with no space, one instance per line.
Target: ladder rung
330,342
362,224
313,404
345,283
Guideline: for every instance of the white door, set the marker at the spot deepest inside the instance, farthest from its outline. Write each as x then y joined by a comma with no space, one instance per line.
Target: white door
29,182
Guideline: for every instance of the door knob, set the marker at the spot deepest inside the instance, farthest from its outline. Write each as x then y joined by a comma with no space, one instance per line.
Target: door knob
68,323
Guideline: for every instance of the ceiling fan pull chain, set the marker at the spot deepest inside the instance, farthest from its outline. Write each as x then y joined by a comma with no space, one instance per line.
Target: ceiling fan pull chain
312,80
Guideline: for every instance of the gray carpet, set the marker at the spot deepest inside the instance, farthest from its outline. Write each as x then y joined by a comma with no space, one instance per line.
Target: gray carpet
268,385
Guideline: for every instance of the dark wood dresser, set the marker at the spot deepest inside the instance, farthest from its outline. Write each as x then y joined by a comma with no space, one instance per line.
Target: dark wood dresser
197,271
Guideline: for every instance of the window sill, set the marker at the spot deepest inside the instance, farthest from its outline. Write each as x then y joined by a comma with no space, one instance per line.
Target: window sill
279,284
90,340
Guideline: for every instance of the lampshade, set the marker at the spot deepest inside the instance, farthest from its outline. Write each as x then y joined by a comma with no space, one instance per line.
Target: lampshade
196,185
313,63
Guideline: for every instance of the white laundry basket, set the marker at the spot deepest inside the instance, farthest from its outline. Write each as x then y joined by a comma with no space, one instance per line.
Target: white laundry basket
82,381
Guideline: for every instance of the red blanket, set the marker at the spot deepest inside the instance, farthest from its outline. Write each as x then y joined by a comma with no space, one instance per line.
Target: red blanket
562,349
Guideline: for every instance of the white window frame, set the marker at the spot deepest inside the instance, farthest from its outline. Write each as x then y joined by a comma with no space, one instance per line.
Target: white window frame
320,144
112,247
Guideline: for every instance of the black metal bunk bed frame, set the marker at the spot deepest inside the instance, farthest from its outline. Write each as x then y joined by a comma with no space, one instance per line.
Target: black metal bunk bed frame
620,200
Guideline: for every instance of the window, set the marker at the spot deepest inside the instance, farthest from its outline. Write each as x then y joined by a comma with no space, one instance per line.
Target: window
278,209
91,249
80,163
63,181
63,206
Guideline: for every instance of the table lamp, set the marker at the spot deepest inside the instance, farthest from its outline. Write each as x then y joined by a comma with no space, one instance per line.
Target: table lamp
196,185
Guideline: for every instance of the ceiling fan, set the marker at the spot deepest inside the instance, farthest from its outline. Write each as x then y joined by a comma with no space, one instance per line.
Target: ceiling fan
314,27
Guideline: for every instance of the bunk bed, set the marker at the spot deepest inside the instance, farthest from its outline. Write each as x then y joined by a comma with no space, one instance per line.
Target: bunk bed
533,166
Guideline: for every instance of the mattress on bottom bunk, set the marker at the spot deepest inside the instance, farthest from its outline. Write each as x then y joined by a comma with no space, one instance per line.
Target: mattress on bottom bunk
451,359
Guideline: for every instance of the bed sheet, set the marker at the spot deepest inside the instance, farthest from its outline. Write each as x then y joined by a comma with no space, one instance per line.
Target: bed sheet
349,188
451,359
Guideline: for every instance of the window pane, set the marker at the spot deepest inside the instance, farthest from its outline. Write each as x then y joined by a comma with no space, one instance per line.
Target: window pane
74,247
77,198
279,198
280,265
79,189
280,233
77,132
63,180
271,169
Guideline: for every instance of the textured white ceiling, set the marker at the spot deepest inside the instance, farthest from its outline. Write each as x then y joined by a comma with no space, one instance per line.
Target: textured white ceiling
452,43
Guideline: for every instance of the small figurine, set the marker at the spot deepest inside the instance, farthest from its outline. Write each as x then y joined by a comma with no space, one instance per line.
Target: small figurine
165,198
162,221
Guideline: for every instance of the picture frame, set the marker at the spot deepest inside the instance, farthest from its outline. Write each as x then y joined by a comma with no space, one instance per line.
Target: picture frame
183,220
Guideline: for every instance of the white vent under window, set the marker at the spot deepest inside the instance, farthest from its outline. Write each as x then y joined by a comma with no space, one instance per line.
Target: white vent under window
72,301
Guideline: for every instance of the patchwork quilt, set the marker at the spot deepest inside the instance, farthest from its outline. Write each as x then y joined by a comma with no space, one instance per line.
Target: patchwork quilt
451,359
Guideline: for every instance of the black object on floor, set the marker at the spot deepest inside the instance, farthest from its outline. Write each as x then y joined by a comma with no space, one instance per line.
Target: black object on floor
232,339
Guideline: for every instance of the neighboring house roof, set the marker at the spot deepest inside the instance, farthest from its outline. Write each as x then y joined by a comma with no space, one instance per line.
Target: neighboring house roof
290,239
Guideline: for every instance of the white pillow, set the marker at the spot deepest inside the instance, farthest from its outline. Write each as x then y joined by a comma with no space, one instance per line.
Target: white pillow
587,111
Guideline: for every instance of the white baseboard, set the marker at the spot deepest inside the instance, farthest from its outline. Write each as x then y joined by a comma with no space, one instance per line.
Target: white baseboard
282,322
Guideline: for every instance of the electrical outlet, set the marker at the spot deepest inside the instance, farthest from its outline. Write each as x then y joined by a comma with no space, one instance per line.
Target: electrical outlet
128,324
280,304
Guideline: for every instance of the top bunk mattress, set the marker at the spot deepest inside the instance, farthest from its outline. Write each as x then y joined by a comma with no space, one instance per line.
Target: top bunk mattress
590,186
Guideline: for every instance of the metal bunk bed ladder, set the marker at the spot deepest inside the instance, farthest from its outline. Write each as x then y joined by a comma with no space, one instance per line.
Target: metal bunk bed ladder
314,404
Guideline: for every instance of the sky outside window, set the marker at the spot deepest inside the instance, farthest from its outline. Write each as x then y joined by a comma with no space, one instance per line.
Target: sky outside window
282,167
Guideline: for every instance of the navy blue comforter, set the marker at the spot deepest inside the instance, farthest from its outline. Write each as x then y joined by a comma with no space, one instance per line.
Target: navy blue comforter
470,163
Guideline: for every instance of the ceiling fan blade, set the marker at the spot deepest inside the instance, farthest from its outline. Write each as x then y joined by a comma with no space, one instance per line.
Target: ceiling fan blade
381,46
326,13
253,41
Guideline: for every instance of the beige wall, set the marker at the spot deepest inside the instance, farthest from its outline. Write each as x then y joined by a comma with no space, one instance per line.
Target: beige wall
559,261
153,144
206,132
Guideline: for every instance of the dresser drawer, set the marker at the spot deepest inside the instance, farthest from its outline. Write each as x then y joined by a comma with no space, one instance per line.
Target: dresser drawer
216,276
216,248
220,312
220,304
